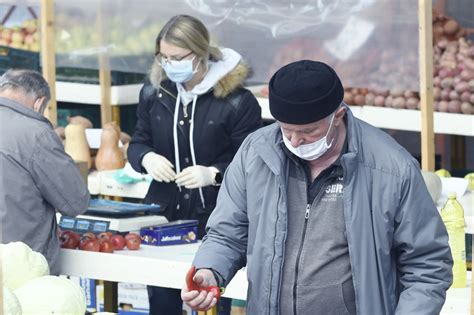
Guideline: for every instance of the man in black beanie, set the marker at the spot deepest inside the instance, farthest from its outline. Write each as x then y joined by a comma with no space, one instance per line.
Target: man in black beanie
329,214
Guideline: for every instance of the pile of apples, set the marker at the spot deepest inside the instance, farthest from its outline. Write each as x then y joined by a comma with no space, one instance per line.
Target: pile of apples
26,36
105,242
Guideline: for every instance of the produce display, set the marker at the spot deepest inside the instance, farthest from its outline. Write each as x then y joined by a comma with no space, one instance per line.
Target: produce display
25,36
29,289
453,70
105,242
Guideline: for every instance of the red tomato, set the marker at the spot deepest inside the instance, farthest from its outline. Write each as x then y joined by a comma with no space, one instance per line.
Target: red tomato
90,245
106,245
69,239
107,235
133,241
118,241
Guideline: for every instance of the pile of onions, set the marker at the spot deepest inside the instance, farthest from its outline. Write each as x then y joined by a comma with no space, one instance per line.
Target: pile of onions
454,76
453,70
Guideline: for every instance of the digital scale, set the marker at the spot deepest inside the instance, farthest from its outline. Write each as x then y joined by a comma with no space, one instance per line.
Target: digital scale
105,215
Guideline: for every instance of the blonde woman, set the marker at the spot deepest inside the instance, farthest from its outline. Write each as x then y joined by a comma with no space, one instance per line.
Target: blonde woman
193,114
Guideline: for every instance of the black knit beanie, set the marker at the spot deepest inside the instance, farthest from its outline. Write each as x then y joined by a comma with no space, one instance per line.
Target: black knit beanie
304,91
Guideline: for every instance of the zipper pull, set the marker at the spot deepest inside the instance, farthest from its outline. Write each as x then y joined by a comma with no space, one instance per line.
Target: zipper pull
306,214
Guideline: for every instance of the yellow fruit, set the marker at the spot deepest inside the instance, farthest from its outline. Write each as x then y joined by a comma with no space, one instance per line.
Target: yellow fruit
443,173
470,178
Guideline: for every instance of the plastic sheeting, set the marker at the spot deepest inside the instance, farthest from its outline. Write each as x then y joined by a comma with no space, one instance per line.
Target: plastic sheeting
371,43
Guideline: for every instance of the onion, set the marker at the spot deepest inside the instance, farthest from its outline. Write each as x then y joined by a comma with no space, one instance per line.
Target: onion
450,27
453,95
438,31
443,106
382,92
445,94
467,108
348,98
436,81
445,73
467,75
465,96
454,106
370,98
388,101
471,85
442,43
447,83
436,93
396,92
412,103
408,94
380,100
359,99
471,99
399,102
461,87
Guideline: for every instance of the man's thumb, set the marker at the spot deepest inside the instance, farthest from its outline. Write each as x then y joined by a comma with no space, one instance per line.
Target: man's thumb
199,280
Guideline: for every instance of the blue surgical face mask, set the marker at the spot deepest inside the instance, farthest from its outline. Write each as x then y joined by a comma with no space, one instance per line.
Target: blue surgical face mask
179,71
310,151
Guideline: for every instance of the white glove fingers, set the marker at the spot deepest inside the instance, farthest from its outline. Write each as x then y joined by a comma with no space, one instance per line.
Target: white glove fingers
167,162
183,179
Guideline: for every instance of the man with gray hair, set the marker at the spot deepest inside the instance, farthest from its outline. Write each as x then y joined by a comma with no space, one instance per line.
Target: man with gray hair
36,176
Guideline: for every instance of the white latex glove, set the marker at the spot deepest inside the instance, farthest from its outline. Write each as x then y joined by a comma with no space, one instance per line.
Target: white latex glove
197,176
158,167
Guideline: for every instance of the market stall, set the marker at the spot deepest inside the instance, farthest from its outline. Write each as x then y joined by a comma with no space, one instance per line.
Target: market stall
394,80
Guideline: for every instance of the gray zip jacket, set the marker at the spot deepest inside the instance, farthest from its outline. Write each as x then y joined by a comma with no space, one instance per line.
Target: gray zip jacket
398,246
36,177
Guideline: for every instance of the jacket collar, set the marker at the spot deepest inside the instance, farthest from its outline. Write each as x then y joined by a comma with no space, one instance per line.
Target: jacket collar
270,150
21,109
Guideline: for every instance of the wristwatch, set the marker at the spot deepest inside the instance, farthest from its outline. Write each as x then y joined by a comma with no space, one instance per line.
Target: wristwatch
218,178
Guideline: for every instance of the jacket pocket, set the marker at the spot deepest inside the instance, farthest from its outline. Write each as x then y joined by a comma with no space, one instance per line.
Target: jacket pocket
328,300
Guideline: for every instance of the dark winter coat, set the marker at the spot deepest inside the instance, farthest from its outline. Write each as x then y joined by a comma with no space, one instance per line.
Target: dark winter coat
224,116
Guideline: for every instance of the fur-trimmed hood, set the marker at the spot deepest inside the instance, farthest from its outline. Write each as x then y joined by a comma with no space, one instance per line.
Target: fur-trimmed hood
223,76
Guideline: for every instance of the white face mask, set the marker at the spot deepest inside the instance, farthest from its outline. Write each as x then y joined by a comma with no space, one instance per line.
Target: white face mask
310,151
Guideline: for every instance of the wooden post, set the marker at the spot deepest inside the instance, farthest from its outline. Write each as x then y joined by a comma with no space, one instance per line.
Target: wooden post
105,78
48,56
105,88
425,51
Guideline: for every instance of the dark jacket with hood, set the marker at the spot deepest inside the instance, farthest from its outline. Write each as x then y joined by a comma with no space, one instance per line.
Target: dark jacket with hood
224,114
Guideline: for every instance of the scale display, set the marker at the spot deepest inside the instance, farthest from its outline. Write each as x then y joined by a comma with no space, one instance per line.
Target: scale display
82,225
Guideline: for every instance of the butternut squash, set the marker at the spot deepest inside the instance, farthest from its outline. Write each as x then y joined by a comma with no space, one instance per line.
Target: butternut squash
76,143
109,156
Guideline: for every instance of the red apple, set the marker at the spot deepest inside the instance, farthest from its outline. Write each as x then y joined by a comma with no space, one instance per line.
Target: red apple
133,241
106,245
69,239
118,241
90,245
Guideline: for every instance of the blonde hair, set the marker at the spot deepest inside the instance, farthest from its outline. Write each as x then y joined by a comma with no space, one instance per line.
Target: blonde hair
188,32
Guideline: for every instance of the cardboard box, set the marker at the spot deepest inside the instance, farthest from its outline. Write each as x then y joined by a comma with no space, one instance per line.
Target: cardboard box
171,233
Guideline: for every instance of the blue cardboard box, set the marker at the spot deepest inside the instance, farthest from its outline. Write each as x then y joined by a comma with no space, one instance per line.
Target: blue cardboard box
171,233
